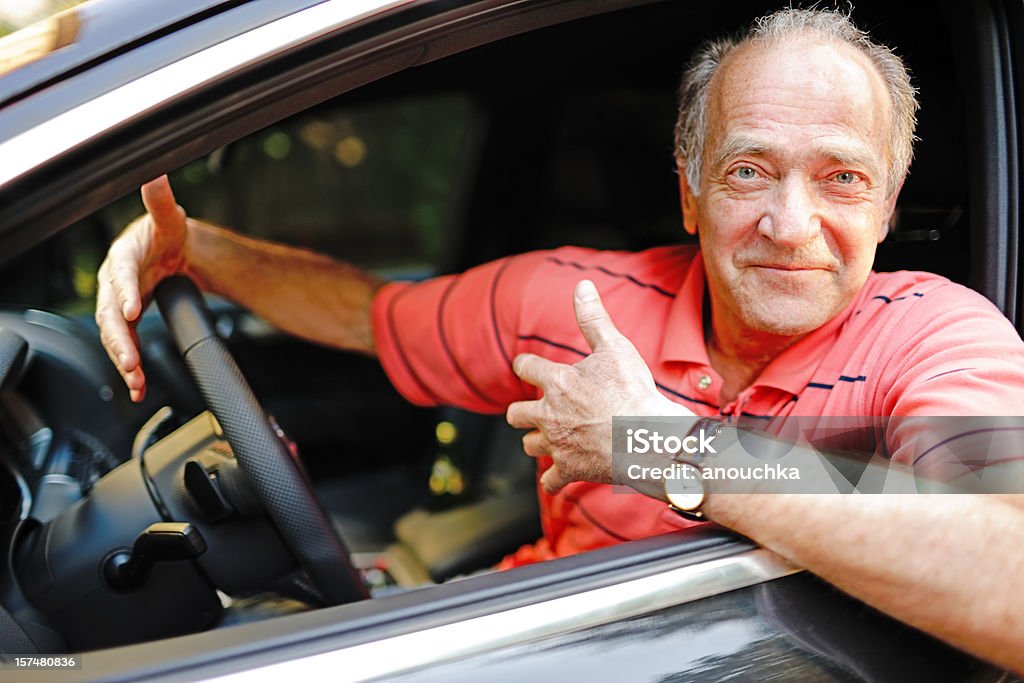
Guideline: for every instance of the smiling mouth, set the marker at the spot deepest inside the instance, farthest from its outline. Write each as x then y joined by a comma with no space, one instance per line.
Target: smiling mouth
787,267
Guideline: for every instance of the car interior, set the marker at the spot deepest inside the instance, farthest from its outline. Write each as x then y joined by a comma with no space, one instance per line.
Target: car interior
561,135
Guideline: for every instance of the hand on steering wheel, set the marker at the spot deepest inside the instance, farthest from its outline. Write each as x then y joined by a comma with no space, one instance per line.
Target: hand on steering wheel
275,475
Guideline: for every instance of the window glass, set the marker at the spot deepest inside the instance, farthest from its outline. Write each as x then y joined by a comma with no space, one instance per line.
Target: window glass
380,185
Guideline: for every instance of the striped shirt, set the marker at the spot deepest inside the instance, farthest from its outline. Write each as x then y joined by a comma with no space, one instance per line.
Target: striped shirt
911,343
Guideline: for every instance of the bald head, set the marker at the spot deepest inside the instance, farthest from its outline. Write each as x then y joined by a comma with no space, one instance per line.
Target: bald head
760,90
812,49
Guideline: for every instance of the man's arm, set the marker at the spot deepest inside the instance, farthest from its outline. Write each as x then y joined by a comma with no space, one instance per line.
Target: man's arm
945,563
297,290
304,293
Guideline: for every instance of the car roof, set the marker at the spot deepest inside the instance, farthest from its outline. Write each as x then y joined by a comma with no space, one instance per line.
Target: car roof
93,32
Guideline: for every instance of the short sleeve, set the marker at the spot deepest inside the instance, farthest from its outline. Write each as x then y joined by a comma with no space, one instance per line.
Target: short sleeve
450,340
960,358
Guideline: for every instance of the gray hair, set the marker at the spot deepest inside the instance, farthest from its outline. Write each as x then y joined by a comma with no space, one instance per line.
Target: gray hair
692,123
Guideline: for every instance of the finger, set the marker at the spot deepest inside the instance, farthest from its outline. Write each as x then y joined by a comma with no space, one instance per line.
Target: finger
124,355
119,350
120,342
124,282
133,377
553,481
540,372
523,414
535,444
158,198
136,378
594,322
138,395
114,330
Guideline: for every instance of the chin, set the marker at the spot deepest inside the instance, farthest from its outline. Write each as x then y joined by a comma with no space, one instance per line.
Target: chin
787,319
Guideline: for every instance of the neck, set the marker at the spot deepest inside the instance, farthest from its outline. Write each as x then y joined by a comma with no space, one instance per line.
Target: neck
739,358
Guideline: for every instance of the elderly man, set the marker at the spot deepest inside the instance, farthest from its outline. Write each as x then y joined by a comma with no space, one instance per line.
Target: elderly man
793,143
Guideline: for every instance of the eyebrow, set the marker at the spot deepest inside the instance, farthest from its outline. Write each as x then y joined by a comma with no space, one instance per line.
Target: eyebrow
741,145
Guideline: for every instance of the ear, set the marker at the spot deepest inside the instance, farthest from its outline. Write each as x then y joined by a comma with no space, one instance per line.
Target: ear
689,201
890,209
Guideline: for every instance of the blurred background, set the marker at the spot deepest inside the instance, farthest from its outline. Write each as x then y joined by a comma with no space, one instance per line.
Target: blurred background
16,14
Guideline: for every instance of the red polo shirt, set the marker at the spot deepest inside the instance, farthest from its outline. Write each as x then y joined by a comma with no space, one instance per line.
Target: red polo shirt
911,343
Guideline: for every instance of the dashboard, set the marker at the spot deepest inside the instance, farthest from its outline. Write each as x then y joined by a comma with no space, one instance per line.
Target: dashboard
64,419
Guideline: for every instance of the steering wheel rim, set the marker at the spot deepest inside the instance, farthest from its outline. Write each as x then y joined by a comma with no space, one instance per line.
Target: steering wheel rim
276,477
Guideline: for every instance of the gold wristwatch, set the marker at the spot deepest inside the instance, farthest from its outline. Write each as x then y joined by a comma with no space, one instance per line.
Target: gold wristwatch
687,493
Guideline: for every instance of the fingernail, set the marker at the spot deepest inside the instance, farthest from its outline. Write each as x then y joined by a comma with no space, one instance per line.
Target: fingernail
586,291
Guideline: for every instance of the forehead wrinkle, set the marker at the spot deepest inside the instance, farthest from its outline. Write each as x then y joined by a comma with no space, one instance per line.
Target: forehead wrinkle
738,146
735,146
855,155
742,77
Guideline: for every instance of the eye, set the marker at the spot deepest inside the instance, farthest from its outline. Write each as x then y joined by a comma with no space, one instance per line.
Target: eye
846,178
745,173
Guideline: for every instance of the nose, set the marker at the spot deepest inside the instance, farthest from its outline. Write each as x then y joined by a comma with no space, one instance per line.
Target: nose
792,219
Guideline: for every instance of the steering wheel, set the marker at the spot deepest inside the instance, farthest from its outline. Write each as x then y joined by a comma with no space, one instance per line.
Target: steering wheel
275,475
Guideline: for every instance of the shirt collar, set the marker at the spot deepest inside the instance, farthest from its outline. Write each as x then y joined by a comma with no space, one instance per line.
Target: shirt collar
684,341
793,368
684,334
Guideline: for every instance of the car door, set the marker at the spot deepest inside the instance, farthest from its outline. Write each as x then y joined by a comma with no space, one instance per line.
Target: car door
667,615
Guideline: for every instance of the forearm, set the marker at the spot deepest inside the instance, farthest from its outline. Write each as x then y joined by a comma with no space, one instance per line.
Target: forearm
946,564
299,291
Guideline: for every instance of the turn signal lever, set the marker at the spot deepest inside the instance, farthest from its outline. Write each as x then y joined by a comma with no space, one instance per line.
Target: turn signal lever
160,542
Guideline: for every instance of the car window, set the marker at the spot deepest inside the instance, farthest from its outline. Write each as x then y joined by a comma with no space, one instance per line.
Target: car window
378,184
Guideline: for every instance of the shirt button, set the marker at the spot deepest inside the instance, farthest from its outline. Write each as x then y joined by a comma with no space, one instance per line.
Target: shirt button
704,382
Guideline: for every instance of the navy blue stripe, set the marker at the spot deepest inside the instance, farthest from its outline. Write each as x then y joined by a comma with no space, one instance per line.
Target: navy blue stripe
494,309
842,378
593,520
759,417
602,269
898,298
948,372
448,350
533,337
963,434
581,354
687,398
398,345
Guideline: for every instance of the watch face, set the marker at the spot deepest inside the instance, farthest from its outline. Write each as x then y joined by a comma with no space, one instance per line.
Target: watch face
686,491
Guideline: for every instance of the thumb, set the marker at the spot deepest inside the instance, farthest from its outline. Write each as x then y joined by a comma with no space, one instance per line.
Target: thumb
594,322
158,198
552,480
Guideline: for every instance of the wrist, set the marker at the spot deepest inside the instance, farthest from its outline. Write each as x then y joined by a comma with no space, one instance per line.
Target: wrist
198,250
688,491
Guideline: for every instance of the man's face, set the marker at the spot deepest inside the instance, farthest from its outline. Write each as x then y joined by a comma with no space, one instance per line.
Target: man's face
793,196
